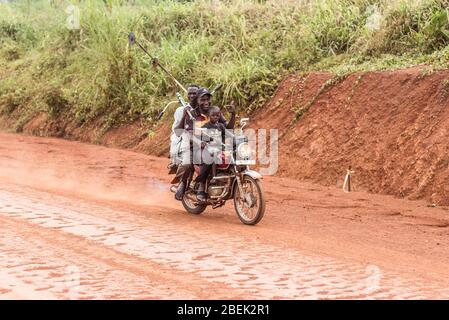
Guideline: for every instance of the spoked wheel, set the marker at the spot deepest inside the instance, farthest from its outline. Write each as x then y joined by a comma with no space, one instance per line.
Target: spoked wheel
250,206
192,205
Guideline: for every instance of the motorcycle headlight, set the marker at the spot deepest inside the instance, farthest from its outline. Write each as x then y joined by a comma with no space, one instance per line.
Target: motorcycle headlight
244,151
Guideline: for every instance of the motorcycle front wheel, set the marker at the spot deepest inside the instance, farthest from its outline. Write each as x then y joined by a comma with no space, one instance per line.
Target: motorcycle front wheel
249,206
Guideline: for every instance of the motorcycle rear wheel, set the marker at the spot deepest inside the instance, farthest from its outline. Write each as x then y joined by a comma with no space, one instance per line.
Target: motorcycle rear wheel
250,213
191,207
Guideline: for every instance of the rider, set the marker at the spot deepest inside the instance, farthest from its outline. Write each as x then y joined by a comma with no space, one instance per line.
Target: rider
186,128
216,134
174,139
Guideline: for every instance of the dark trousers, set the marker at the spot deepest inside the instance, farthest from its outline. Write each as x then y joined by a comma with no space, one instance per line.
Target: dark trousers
204,172
186,170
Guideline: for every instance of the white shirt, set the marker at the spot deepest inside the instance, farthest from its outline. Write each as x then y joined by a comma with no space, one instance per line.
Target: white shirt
178,117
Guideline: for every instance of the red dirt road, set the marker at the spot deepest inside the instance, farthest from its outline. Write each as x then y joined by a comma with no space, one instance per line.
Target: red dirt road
89,222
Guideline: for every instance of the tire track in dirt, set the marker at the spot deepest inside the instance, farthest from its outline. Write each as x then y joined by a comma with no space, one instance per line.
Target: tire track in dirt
38,264
246,267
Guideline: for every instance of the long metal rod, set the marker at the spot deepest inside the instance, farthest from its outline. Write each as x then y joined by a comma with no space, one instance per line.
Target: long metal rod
165,109
132,36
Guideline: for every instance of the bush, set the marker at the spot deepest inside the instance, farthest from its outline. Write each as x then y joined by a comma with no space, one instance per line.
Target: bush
246,45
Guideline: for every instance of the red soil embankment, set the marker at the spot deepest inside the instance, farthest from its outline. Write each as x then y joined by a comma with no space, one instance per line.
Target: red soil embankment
391,127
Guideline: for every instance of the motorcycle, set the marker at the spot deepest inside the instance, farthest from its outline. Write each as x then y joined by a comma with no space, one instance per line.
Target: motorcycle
229,179
232,179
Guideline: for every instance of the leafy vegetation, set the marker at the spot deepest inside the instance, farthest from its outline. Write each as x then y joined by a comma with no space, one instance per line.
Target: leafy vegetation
90,73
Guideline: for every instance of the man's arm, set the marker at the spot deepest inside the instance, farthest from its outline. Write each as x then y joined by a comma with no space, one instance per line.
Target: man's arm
179,129
178,117
226,132
231,123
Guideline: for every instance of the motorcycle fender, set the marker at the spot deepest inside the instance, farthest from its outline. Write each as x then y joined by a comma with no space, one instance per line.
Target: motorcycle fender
251,173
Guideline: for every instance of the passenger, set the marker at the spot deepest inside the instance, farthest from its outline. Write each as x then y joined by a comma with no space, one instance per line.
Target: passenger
175,141
215,133
186,128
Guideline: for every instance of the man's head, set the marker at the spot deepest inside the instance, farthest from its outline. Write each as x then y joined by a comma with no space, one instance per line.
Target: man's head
203,97
214,114
191,94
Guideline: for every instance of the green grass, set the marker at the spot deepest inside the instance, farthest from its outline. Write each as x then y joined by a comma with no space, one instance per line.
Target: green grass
91,74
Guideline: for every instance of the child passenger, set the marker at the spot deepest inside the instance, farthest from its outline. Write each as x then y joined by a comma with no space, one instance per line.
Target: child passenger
220,134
